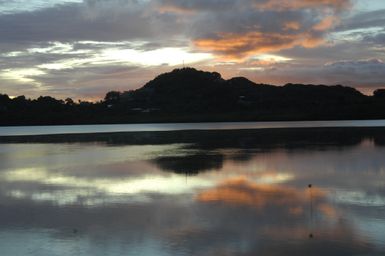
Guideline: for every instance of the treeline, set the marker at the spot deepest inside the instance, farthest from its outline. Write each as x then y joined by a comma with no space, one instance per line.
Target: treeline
189,95
45,110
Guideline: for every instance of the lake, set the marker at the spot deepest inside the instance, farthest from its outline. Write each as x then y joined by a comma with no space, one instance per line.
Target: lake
108,128
298,191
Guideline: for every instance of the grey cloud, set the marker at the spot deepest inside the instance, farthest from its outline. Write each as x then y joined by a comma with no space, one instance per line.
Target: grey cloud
366,68
15,88
182,23
376,39
342,50
88,82
93,82
363,20
74,22
200,5
83,79
118,20
365,75
31,60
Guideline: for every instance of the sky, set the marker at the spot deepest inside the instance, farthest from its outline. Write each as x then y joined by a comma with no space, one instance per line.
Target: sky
85,48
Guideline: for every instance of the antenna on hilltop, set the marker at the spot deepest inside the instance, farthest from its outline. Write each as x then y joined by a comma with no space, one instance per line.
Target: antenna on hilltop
183,64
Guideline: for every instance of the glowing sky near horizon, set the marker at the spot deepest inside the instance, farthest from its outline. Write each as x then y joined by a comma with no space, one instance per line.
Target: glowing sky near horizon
82,49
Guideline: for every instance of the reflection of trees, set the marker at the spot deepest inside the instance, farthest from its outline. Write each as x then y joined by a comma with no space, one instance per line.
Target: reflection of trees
240,145
263,139
190,164
379,141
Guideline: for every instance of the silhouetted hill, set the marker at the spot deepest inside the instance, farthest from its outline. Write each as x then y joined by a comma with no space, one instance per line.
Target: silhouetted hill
191,91
183,90
188,94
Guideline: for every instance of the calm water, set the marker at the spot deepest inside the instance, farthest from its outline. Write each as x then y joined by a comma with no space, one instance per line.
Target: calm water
195,193
71,129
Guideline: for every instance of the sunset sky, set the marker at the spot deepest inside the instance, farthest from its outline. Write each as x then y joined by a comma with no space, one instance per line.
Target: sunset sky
82,49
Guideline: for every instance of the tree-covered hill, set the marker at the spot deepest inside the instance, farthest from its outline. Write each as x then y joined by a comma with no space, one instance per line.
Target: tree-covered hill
191,95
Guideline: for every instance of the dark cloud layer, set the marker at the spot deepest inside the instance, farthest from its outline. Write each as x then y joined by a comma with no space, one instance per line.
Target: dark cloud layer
74,22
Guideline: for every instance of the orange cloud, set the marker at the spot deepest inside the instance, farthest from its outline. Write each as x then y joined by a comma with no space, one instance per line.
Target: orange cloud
259,63
303,28
292,25
236,47
327,23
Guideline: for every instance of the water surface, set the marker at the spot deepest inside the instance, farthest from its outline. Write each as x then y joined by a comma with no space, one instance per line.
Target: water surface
108,128
195,193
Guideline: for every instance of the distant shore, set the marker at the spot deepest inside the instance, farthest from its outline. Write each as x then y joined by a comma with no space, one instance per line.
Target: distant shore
246,137
189,95
164,127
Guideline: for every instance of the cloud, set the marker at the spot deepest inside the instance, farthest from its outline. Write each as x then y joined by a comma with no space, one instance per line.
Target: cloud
326,23
199,5
75,35
275,25
70,68
366,75
366,29
235,46
370,65
300,4
17,6
90,20
267,26
365,71
376,39
362,20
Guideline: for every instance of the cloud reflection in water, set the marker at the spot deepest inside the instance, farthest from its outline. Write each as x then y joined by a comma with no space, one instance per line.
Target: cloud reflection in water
249,198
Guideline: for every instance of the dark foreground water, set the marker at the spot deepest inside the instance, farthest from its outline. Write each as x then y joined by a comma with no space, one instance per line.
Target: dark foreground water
195,193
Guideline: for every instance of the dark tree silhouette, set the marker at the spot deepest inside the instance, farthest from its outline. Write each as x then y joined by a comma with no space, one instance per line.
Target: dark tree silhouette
190,95
112,97
379,93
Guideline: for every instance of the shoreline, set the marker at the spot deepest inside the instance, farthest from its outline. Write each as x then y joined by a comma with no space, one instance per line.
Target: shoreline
6,131
253,136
